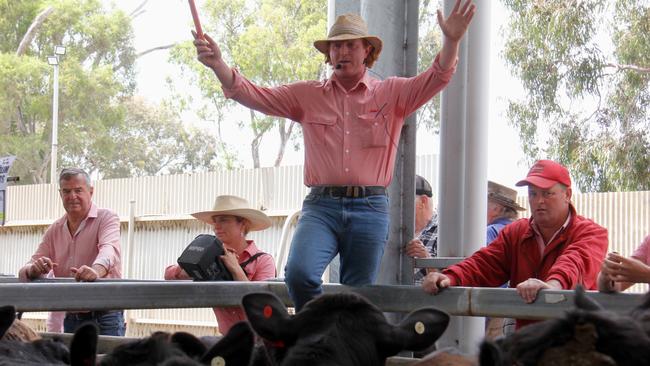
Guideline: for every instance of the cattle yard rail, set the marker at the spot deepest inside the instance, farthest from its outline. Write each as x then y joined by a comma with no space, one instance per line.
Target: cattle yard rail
464,301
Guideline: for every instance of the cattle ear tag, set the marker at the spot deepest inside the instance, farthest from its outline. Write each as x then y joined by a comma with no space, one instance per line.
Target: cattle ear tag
268,311
419,327
218,361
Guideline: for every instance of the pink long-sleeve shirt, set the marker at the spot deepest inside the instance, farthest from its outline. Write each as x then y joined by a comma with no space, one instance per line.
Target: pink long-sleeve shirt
260,269
97,241
350,136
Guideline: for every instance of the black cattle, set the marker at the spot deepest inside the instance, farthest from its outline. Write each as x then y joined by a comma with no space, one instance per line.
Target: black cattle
45,351
184,349
587,335
336,329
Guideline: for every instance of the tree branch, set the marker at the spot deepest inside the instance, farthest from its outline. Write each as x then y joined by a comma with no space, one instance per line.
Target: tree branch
33,30
154,49
137,11
644,70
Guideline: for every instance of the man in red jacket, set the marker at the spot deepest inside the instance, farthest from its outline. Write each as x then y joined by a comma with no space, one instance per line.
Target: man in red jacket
554,249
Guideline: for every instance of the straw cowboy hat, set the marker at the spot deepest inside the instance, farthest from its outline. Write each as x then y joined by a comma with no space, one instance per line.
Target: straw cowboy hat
503,195
350,26
235,206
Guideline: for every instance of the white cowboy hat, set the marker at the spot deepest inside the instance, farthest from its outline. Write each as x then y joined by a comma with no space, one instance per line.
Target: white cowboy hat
235,206
350,26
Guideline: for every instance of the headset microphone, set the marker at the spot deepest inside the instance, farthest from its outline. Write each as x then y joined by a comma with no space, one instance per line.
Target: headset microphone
338,66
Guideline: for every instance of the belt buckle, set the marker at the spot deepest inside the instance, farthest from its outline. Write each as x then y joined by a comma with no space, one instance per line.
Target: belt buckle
354,191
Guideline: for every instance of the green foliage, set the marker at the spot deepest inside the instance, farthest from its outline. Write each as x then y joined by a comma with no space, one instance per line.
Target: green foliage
429,44
586,102
101,128
268,41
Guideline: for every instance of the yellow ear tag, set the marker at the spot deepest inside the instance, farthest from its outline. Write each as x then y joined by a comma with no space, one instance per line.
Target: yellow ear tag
218,361
419,328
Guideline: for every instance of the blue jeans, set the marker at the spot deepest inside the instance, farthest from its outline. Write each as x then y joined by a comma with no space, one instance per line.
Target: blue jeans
110,323
357,228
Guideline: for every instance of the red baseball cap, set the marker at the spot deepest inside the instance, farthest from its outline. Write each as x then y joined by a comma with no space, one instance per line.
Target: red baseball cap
545,174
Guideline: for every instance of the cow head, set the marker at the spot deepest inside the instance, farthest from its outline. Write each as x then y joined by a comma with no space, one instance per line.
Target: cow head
589,331
339,329
82,351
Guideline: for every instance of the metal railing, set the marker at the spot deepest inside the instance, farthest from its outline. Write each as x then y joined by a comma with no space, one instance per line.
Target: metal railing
466,301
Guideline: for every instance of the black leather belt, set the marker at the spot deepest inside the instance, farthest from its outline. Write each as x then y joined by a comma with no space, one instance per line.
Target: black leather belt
88,315
349,191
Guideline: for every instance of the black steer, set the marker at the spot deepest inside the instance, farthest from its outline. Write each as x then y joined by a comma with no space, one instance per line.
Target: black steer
44,351
337,329
184,349
587,335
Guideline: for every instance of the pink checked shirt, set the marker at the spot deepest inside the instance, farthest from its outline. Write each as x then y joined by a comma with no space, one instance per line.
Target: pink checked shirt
97,241
351,136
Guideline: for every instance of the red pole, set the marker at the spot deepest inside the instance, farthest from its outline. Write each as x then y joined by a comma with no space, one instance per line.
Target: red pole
195,17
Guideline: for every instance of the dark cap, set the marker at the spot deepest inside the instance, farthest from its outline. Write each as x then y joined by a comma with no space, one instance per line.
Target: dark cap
422,187
545,174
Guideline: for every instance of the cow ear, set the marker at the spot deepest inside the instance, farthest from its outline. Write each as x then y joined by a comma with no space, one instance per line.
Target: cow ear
83,348
189,344
584,302
268,316
490,354
234,349
7,317
420,329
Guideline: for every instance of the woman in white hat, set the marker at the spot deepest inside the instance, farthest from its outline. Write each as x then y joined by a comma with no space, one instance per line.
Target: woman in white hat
232,219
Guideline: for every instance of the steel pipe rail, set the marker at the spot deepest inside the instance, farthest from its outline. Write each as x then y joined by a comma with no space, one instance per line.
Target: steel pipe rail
467,301
72,280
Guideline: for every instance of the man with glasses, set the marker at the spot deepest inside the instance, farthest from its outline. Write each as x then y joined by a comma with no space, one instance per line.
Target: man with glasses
553,249
84,244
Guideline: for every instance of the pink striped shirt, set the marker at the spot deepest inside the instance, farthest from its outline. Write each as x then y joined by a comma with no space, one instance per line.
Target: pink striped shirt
642,253
350,136
97,241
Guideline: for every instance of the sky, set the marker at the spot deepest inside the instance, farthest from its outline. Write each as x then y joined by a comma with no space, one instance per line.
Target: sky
169,21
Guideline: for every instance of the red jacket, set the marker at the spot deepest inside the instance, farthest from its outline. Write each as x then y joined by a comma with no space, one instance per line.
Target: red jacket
573,257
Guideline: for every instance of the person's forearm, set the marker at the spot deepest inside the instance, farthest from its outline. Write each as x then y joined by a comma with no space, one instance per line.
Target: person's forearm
448,54
101,270
224,74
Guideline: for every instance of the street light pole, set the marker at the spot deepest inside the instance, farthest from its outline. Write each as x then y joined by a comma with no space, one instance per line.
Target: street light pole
55,124
54,61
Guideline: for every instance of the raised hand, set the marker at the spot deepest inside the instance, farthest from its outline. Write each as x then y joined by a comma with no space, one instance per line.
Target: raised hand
456,24
208,52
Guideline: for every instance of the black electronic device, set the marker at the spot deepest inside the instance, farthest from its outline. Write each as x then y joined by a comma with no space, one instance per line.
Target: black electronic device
201,259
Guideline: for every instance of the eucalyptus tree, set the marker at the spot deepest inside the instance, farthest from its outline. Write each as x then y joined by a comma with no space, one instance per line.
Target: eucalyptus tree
97,83
585,69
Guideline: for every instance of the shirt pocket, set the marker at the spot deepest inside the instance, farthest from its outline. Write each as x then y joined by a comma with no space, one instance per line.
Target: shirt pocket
316,130
372,130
